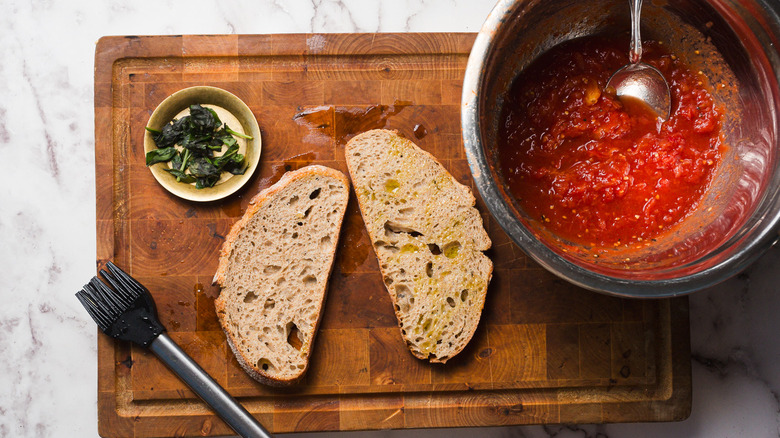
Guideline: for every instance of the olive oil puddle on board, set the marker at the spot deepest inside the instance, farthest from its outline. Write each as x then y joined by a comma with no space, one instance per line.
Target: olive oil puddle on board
354,251
420,132
347,121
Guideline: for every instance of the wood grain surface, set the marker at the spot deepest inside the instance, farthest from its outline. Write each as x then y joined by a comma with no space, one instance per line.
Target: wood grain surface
545,351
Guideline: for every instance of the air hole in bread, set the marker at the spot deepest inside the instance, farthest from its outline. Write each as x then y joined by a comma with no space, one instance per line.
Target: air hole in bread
271,269
388,280
308,210
450,301
293,200
295,235
265,364
269,304
315,193
250,297
325,242
309,280
392,248
434,249
403,298
464,294
395,228
429,269
294,336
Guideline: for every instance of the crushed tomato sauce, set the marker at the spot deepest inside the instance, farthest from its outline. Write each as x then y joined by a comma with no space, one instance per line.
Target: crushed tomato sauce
596,173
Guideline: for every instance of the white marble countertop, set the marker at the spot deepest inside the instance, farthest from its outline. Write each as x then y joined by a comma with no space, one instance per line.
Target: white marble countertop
47,215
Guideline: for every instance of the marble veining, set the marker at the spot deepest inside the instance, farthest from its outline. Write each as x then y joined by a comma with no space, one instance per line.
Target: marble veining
47,211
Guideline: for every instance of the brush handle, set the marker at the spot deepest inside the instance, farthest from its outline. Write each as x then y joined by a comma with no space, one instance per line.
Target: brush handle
209,390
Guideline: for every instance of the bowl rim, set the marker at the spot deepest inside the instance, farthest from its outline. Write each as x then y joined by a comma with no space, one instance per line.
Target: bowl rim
541,253
206,95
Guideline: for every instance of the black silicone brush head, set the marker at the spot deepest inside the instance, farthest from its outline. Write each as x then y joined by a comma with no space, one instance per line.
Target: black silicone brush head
123,308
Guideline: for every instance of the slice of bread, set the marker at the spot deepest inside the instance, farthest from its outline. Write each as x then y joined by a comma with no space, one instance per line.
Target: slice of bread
428,238
274,268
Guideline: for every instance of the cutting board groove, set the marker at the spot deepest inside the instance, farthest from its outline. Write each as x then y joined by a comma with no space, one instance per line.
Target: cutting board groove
545,351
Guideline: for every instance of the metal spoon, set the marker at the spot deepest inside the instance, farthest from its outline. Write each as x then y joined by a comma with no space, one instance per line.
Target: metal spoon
638,82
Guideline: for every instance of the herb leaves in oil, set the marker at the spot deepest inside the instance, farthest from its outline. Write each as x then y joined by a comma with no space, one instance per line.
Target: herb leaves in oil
198,135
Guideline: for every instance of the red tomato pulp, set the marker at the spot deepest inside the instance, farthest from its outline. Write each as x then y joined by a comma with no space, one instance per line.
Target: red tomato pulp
592,172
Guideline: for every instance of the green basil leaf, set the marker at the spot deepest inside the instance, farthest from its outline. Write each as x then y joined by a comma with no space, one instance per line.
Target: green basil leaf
160,155
176,161
181,176
170,134
205,182
228,141
201,167
223,159
217,122
235,169
203,118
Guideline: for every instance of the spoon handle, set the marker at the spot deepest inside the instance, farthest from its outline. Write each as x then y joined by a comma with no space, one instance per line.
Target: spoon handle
635,55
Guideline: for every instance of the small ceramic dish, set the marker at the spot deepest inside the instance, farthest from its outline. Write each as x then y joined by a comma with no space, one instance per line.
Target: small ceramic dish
231,110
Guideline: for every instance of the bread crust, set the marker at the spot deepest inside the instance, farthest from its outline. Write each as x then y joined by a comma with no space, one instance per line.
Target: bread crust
480,243
255,204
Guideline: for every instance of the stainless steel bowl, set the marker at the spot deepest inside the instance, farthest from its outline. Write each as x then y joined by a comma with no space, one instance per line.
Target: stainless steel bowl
735,43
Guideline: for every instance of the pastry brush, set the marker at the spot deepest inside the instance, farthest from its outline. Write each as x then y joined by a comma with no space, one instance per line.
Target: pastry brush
124,309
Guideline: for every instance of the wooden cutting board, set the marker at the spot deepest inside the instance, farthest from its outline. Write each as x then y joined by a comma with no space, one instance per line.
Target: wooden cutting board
545,351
